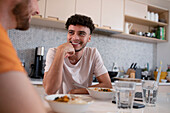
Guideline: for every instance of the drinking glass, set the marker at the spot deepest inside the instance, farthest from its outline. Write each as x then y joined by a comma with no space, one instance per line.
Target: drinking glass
150,90
125,92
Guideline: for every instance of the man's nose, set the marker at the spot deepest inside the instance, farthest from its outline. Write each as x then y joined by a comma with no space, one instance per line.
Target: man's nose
36,8
75,37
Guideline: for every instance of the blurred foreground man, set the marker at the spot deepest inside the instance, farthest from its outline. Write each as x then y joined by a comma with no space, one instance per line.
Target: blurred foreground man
17,95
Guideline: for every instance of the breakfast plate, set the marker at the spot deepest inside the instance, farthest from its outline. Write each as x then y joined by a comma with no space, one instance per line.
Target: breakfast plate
68,103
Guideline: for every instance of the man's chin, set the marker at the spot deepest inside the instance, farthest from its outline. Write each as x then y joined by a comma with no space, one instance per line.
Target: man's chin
79,49
23,28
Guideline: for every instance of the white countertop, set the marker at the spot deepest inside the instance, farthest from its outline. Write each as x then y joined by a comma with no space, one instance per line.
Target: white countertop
39,82
162,106
36,81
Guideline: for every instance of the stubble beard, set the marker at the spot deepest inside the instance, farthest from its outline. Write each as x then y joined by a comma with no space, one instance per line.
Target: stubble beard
23,25
83,46
22,16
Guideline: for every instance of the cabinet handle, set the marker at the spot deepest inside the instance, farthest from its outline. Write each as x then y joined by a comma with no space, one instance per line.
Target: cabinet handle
96,25
53,18
107,27
38,16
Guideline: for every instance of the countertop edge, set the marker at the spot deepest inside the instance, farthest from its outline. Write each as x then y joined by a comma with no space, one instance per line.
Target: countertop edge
40,82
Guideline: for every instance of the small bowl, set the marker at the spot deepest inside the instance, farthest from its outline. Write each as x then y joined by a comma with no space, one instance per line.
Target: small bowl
63,107
101,95
163,80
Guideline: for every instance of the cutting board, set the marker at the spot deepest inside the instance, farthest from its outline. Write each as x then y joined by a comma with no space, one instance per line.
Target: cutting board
128,79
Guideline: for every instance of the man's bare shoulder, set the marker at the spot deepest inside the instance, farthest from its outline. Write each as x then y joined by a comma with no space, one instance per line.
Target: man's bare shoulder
52,50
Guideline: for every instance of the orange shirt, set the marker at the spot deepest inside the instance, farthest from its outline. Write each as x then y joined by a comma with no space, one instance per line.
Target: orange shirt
9,60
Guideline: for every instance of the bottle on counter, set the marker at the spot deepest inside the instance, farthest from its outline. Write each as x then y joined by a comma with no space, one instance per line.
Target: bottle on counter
156,69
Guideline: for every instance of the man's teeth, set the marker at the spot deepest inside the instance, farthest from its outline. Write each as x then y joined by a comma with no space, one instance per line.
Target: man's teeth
75,43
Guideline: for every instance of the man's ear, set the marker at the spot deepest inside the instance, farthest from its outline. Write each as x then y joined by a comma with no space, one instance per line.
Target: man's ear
89,38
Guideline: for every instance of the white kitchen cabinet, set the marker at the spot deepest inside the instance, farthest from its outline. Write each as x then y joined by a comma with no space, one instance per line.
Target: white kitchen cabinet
136,9
41,5
91,8
112,15
60,9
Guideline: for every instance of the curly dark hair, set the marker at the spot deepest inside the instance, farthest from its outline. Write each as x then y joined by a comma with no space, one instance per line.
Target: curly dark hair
78,19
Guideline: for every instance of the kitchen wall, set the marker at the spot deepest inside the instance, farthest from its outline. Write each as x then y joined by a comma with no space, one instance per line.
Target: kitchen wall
112,49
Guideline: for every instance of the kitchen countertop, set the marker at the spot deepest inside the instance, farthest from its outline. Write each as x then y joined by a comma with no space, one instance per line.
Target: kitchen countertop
162,106
36,81
39,82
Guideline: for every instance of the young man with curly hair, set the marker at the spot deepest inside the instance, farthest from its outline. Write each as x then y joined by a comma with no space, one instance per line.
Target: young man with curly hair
73,62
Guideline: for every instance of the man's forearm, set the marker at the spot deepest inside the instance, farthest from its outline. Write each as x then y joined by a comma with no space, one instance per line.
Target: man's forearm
53,78
84,91
106,85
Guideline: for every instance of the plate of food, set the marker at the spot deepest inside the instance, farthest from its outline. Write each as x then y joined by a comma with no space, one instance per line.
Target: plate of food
67,103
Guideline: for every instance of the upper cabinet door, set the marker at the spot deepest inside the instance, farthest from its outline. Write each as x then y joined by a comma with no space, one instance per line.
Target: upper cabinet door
61,9
91,8
112,14
135,9
41,5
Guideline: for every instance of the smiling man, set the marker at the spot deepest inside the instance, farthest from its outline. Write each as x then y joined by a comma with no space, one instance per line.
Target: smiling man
73,62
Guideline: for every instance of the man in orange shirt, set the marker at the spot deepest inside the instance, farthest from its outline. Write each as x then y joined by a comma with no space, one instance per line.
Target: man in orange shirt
17,95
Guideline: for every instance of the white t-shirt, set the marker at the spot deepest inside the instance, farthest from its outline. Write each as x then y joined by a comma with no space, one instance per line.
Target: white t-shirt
82,72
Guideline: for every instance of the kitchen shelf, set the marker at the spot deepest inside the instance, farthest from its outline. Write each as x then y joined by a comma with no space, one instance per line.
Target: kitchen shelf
136,14
139,38
157,9
144,21
48,22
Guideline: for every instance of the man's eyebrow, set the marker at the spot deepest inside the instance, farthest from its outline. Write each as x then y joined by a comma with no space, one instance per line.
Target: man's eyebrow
70,30
82,31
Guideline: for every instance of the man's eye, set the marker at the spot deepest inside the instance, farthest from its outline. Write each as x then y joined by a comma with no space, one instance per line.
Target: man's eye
82,34
71,33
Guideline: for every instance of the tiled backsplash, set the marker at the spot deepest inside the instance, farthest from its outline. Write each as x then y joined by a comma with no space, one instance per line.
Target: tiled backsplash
112,49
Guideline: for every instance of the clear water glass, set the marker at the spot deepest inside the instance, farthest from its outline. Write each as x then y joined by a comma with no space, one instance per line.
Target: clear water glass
125,92
150,91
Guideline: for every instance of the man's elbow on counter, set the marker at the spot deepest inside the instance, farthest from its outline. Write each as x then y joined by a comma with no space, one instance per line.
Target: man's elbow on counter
109,85
48,90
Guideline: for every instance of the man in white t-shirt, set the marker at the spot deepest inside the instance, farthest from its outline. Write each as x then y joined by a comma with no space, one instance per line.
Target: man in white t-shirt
72,62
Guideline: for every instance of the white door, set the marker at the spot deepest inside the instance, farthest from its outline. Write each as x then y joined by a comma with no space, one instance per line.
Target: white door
61,9
112,15
91,8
